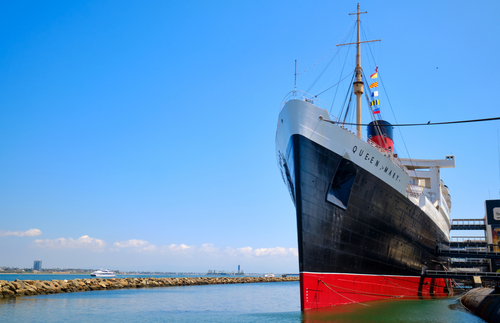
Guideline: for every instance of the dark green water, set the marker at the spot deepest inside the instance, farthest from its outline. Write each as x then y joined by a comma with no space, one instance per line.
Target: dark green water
443,310
262,302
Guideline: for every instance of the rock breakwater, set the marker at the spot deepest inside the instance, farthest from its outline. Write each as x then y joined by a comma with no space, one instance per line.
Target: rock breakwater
40,287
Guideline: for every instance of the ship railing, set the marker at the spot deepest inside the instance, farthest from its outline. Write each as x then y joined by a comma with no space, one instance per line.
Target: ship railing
476,261
389,154
416,188
471,249
413,190
347,127
304,96
462,274
396,161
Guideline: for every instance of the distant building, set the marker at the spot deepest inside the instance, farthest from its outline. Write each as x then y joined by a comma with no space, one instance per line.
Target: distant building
37,265
492,208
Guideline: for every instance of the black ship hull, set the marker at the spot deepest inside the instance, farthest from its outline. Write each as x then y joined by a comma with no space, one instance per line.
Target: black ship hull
359,239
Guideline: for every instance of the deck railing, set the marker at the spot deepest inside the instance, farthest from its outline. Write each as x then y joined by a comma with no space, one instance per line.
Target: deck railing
304,96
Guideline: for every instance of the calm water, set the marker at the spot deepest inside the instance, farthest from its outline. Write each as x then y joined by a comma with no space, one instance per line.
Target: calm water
263,302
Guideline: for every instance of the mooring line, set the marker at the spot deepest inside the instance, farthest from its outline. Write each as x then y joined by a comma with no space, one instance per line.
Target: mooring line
342,295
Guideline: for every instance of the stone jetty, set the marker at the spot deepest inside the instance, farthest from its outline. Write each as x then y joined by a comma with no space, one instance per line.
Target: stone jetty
39,287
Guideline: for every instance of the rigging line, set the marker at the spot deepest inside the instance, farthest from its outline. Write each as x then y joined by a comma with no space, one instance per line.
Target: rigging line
341,72
345,101
333,85
306,70
322,72
388,100
387,96
343,37
349,103
394,115
329,63
368,44
347,110
421,124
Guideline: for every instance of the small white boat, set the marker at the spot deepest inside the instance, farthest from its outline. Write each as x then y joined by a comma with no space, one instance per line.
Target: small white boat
269,275
102,273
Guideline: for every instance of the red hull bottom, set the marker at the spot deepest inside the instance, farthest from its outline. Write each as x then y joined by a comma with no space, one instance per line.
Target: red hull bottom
327,289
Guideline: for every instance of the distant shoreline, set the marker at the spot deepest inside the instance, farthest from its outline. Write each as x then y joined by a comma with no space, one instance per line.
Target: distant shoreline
49,274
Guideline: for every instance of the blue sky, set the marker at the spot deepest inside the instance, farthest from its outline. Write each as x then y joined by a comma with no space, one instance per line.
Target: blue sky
140,135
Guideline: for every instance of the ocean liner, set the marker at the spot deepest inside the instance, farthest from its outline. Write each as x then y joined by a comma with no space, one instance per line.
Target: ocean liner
368,222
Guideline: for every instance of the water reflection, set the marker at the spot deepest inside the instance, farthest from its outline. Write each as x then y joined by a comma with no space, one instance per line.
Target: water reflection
438,310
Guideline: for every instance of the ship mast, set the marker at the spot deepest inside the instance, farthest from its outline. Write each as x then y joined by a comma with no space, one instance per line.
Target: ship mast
358,84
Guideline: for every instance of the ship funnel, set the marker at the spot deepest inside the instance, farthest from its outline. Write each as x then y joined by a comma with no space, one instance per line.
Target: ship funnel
380,132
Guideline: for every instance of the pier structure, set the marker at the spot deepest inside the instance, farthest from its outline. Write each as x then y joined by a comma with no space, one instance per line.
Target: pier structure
483,251
468,224
473,256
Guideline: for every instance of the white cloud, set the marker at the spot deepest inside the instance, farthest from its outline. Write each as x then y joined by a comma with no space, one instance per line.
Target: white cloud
209,248
172,257
150,248
70,243
206,249
278,251
135,245
245,251
183,250
132,243
178,248
29,233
